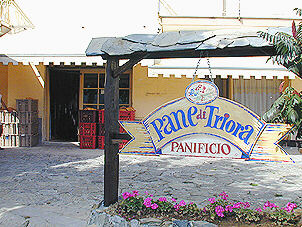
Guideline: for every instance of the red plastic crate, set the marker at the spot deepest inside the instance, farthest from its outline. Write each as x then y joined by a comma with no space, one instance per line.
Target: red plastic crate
127,115
87,129
122,144
101,129
122,130
88,116
88,142
101,116
101,142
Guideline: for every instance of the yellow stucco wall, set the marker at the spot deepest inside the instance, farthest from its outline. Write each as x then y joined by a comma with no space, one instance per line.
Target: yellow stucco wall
149,93
4,81
297,84
22,83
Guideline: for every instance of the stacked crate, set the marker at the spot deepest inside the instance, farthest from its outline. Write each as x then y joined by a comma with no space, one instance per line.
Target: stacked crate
88,129
28,128
124,115
10,124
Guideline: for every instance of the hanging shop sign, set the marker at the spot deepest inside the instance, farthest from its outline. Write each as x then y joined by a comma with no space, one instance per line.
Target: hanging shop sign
202,124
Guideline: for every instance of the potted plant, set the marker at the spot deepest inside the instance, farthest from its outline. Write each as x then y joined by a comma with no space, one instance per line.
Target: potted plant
288,107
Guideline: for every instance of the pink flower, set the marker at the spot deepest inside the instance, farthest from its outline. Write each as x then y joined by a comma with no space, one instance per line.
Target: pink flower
151,195
135,193
259,209
148,199
174,200
163,199
147,202
289,207
154,206
224,196
146,192
176,206
246,205
219,211
237,205
266,205
182,203
292,205
229,208
191,203
126,195
269,204
212,200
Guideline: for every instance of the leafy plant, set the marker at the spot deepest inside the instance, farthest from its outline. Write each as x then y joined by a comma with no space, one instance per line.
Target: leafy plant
287,109
288,47
282,217
247,215
219,209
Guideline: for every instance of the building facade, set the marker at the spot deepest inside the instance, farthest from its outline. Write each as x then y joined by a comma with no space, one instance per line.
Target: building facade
63,87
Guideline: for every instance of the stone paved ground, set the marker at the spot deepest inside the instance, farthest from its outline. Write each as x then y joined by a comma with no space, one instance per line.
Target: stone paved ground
57,184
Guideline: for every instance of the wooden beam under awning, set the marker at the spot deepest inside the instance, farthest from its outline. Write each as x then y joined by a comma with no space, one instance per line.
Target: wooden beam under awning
187,53
129,64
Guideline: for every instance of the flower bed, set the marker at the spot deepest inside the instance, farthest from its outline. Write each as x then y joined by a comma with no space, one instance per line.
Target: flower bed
219,210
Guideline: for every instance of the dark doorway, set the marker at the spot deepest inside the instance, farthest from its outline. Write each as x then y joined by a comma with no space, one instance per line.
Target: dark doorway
64,104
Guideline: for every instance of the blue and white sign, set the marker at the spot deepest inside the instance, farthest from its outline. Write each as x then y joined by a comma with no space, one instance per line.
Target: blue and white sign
204,125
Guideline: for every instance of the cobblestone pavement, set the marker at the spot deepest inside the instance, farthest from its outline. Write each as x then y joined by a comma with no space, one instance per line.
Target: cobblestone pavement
57,184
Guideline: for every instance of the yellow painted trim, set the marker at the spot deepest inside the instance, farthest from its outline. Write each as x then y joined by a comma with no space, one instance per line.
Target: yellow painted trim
46,119
81,91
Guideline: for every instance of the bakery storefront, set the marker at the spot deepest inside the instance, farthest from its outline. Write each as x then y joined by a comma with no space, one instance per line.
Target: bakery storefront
65,85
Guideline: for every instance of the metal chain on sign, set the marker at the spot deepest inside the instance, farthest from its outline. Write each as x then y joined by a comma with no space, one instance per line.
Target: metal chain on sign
210,70
197,66
196,69
239,10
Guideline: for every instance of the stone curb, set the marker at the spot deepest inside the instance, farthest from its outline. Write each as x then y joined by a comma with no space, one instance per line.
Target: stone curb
100,218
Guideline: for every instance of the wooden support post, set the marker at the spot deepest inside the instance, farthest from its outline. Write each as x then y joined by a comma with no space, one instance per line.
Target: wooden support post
111,166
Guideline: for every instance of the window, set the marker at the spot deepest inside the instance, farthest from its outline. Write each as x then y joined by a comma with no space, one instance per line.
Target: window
93,90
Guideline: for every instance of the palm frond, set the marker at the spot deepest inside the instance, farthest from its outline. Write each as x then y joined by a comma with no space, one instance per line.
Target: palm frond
298,11
299,32
286,46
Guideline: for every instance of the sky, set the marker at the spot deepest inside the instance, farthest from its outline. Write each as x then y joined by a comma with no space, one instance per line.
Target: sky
67,26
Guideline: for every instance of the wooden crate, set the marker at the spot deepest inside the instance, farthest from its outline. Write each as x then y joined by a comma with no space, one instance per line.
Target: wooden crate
10,129
28,140
8,117
31,129
27,105
28,117
8,141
